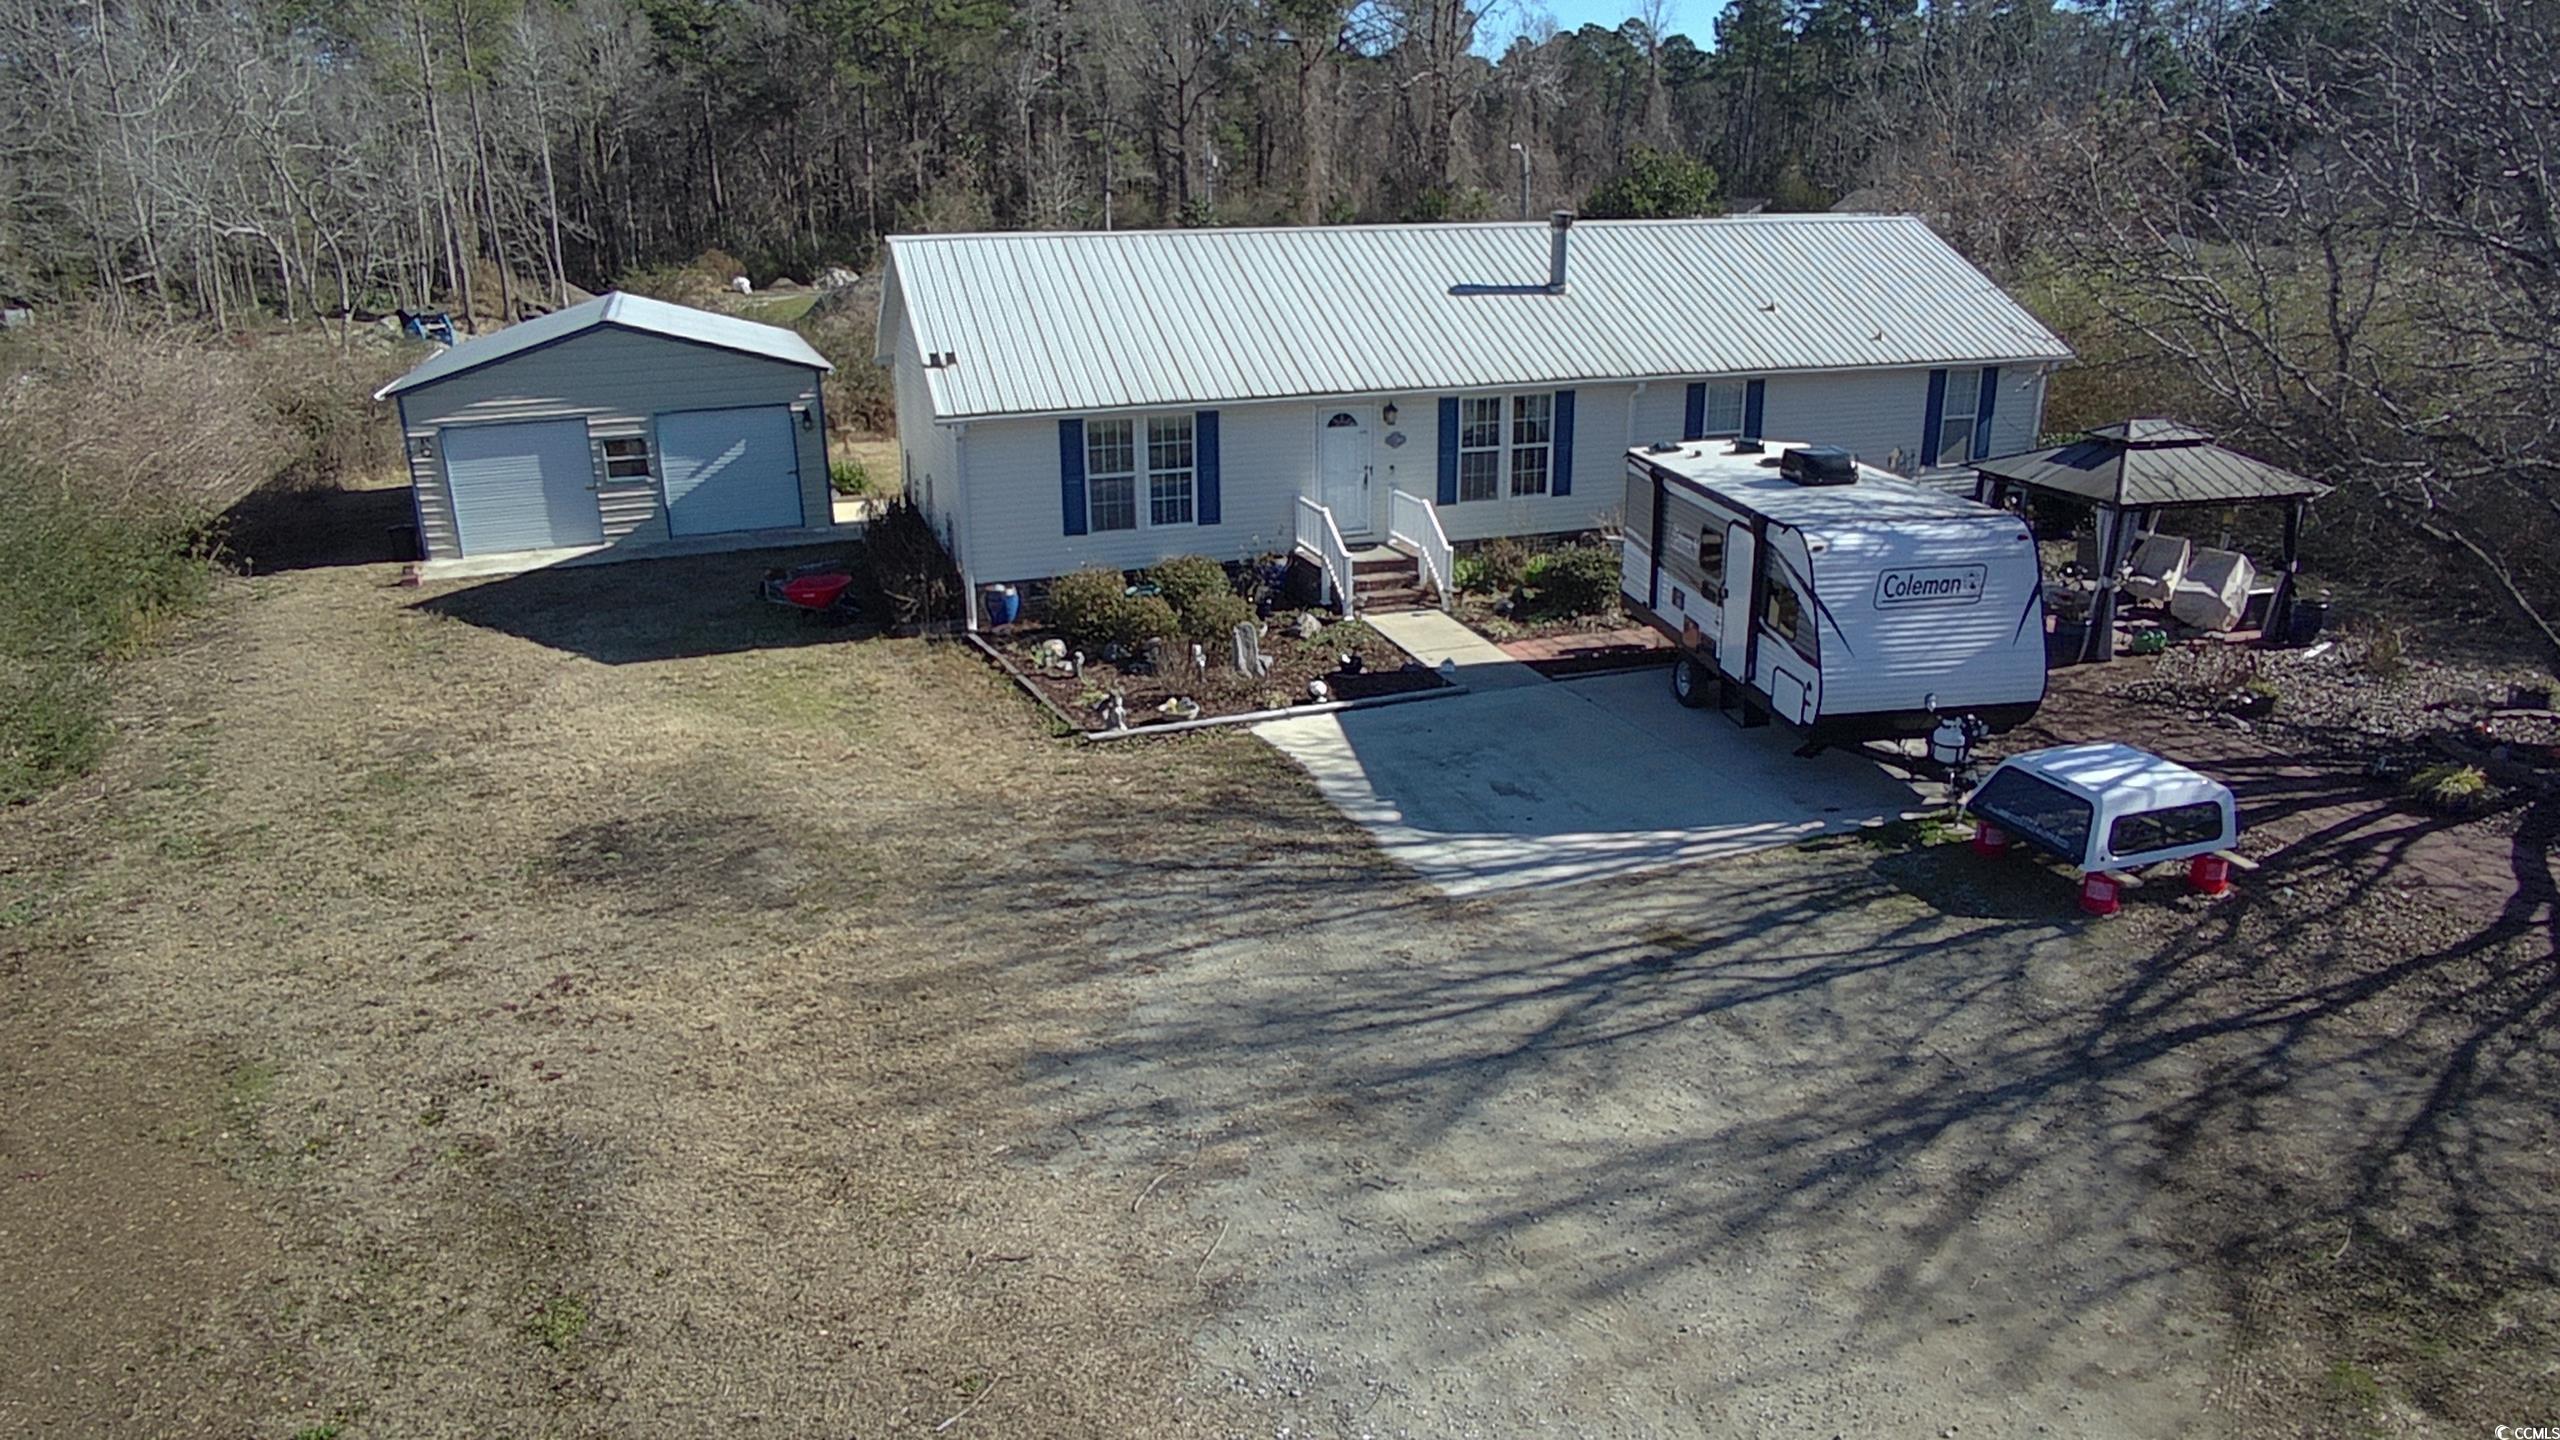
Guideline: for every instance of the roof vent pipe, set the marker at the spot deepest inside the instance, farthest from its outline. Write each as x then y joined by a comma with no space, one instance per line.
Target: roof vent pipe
1557,224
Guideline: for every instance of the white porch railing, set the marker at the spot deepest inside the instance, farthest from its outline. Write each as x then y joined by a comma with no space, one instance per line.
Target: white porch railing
1411,519
1320,540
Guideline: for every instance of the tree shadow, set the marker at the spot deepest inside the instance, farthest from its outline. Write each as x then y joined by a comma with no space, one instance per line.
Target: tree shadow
640,611
277,528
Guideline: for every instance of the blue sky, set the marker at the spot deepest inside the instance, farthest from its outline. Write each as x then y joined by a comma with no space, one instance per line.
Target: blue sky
1693,18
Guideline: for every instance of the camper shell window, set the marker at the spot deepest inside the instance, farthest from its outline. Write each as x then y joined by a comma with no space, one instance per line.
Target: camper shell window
2144,831
2038,809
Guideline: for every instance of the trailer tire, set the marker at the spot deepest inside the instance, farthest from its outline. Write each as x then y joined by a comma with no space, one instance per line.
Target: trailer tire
1690,683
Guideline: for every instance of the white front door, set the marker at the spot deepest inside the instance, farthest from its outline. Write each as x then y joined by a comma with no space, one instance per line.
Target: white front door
1344,466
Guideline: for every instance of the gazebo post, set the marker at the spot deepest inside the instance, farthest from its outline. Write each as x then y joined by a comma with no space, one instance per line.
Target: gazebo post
2280,604
2116,528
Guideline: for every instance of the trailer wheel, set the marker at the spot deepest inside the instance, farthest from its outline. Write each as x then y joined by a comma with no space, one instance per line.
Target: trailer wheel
1690,682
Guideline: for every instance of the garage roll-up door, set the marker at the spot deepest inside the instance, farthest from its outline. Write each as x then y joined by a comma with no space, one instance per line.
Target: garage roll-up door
527,486
730,470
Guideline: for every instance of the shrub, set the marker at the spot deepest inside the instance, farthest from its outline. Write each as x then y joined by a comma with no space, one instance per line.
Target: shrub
1505,562
1466,575
2454,789
1142,618
909,567
1185,579
1209,620
849,477
1576,580
1092,610
1085,605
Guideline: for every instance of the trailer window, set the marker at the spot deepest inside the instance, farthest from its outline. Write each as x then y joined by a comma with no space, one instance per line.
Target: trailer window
2040,810
1786,612
2144,831
1711,559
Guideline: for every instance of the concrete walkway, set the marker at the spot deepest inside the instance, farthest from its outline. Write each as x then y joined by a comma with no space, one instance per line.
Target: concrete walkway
1454,650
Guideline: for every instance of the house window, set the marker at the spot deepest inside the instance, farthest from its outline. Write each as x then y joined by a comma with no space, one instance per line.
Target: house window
1111,475
1533,419
1118,469
626,457
1956,421
1505,435
1480,447
1724,409
1784,611
1169,470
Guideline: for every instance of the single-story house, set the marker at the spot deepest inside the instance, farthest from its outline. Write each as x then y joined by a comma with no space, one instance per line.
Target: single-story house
621,422
1112,399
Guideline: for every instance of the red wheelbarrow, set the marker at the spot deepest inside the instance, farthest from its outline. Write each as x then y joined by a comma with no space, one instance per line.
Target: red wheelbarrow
823,591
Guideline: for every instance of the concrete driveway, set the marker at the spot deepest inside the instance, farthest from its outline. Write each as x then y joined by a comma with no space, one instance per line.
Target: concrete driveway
1551,783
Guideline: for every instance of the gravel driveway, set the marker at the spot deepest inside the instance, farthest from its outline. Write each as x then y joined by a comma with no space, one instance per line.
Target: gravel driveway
1763,1148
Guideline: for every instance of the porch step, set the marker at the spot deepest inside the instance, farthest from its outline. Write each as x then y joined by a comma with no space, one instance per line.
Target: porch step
1380,561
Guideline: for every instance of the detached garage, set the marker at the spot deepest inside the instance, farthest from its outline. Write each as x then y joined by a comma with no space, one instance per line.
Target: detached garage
621,423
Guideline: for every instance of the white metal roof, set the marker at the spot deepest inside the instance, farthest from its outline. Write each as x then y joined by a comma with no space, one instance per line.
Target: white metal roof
2118,777
1052,322
1879,498
628,312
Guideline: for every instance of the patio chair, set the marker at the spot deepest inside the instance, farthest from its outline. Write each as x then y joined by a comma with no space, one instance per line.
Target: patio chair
2159,563
2214,592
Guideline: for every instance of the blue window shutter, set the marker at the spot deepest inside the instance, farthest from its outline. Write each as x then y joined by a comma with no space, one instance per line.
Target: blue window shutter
1982,414
1560,447
1693,422
1448,449
1071,473
1204,459
1755,398
1929,423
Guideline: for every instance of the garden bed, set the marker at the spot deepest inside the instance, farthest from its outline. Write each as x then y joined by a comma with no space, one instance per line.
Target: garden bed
1508,593
1220,689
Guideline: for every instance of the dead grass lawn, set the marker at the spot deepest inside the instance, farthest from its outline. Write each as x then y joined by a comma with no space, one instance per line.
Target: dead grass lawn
614,1028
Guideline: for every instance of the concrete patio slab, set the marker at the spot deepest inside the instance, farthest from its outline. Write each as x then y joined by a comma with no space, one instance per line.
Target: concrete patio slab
518,562
1555,783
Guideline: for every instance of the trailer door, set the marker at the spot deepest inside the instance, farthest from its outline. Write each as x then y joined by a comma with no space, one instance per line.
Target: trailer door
1740,594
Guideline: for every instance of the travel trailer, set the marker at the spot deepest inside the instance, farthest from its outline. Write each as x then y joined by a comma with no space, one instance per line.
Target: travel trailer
1804,586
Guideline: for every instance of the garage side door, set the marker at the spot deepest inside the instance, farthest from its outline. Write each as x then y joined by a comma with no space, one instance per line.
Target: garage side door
522,487
730,470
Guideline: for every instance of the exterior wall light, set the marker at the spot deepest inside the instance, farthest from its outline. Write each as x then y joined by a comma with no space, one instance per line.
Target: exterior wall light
1388,414
424,447
808,419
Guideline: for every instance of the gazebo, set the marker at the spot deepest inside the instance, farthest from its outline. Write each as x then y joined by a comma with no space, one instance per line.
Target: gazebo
2132,473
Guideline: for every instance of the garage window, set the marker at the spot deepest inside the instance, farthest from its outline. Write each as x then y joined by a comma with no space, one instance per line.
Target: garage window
626,457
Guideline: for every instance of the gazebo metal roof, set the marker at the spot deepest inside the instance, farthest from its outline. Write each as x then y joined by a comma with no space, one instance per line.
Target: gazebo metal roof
2147,465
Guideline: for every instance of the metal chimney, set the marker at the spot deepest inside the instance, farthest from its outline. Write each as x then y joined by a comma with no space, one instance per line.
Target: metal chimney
1557,224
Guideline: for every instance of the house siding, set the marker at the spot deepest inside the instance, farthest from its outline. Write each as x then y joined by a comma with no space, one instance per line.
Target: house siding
928,453
1013,529
618,381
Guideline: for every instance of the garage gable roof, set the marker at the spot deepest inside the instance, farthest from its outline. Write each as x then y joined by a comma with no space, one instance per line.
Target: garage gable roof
620,311
1049,322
